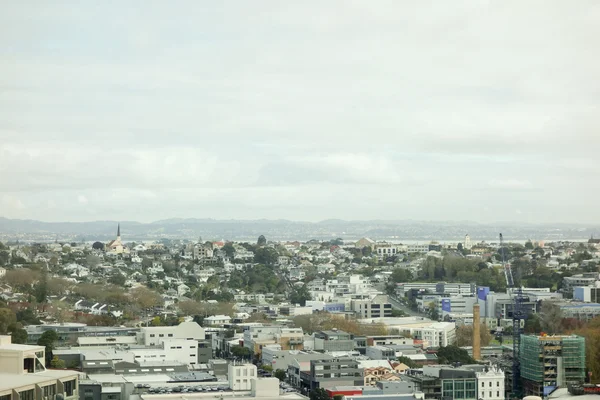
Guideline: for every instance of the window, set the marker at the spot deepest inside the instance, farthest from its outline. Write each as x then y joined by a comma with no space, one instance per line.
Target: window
490,384
498,394
245,372
69,387
170,335
161,335
192,347
152,335
192,355
482,384
497,383
490,394
26,395
237,372
49,390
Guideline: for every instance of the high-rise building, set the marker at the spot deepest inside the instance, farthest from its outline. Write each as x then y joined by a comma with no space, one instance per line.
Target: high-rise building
549,362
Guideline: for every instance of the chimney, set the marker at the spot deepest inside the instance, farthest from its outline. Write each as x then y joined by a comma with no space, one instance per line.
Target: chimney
476,333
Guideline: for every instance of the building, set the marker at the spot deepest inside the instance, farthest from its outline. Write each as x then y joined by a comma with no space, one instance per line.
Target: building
468,245
579,280
258,337
241,376
433,334
589,294
154,335
327,373
549,362
583,311
217,320
376,307
490,383
24,377
333,340
116,246
69,332
2,272
444,382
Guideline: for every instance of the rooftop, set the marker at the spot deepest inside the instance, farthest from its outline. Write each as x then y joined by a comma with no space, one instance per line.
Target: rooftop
10,381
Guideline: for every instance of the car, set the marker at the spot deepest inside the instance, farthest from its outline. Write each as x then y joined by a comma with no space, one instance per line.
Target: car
146,385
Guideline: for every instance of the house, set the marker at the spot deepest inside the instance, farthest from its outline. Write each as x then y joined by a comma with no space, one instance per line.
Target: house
216,320
2,272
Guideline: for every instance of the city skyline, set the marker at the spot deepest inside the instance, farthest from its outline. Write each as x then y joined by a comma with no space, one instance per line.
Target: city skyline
474,110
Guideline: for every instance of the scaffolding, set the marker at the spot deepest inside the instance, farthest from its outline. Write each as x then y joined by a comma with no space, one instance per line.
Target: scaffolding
548,362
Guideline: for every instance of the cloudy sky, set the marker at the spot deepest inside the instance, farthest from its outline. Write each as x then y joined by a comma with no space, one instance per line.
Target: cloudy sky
307,110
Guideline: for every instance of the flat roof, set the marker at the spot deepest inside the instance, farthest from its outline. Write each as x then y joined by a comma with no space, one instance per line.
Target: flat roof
11,381
563,394
21,347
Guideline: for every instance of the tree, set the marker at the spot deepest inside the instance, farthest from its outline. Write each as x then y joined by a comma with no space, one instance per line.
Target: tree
40,289
57,363
145,298
280,374
318,394
529,245
18,335
453,354
229,249
240,352
408,362
464,335
98,246
459,247
261,241
7,318
300,295
532,324
551,317
117,279
266,255
48,340
432,311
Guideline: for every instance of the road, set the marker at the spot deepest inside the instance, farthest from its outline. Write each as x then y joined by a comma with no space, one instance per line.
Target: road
399,306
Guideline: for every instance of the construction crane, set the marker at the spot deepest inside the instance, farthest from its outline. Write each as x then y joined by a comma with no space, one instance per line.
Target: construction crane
517,317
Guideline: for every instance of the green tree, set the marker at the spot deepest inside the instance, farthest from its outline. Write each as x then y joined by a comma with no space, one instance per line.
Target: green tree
261,241
48,340
300,295
533,324
318,394
229,249
98,246
7,319
117,279
280,374
453,354
529,245
18,335
240,352
432,311
57,363
408,362
266,255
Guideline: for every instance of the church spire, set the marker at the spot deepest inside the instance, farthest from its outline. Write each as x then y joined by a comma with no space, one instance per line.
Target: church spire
119,230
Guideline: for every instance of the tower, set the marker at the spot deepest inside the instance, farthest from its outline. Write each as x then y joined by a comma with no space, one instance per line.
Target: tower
119,232
476,333
468,244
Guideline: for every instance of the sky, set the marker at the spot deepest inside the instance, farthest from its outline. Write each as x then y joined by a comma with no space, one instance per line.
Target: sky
475,110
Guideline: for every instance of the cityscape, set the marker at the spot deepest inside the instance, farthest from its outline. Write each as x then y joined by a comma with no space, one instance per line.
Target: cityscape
465,319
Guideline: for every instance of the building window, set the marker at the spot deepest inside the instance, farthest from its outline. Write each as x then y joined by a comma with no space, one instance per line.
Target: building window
152,335
482,384
498,384
161,335
69,387
498,394
49,390
490,394
170,335
26,395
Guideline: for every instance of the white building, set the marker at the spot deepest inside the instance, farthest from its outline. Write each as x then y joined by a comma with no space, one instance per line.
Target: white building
241,376
2,272
436,334
154,335
468,245
491,384
173,350
216,320
23,375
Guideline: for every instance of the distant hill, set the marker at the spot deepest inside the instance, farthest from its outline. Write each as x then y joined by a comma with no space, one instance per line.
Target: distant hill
192,228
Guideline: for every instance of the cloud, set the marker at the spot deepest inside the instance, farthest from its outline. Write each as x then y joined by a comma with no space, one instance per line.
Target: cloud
302,111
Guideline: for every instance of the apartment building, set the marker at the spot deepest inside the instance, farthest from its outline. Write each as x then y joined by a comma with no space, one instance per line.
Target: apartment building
24,377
